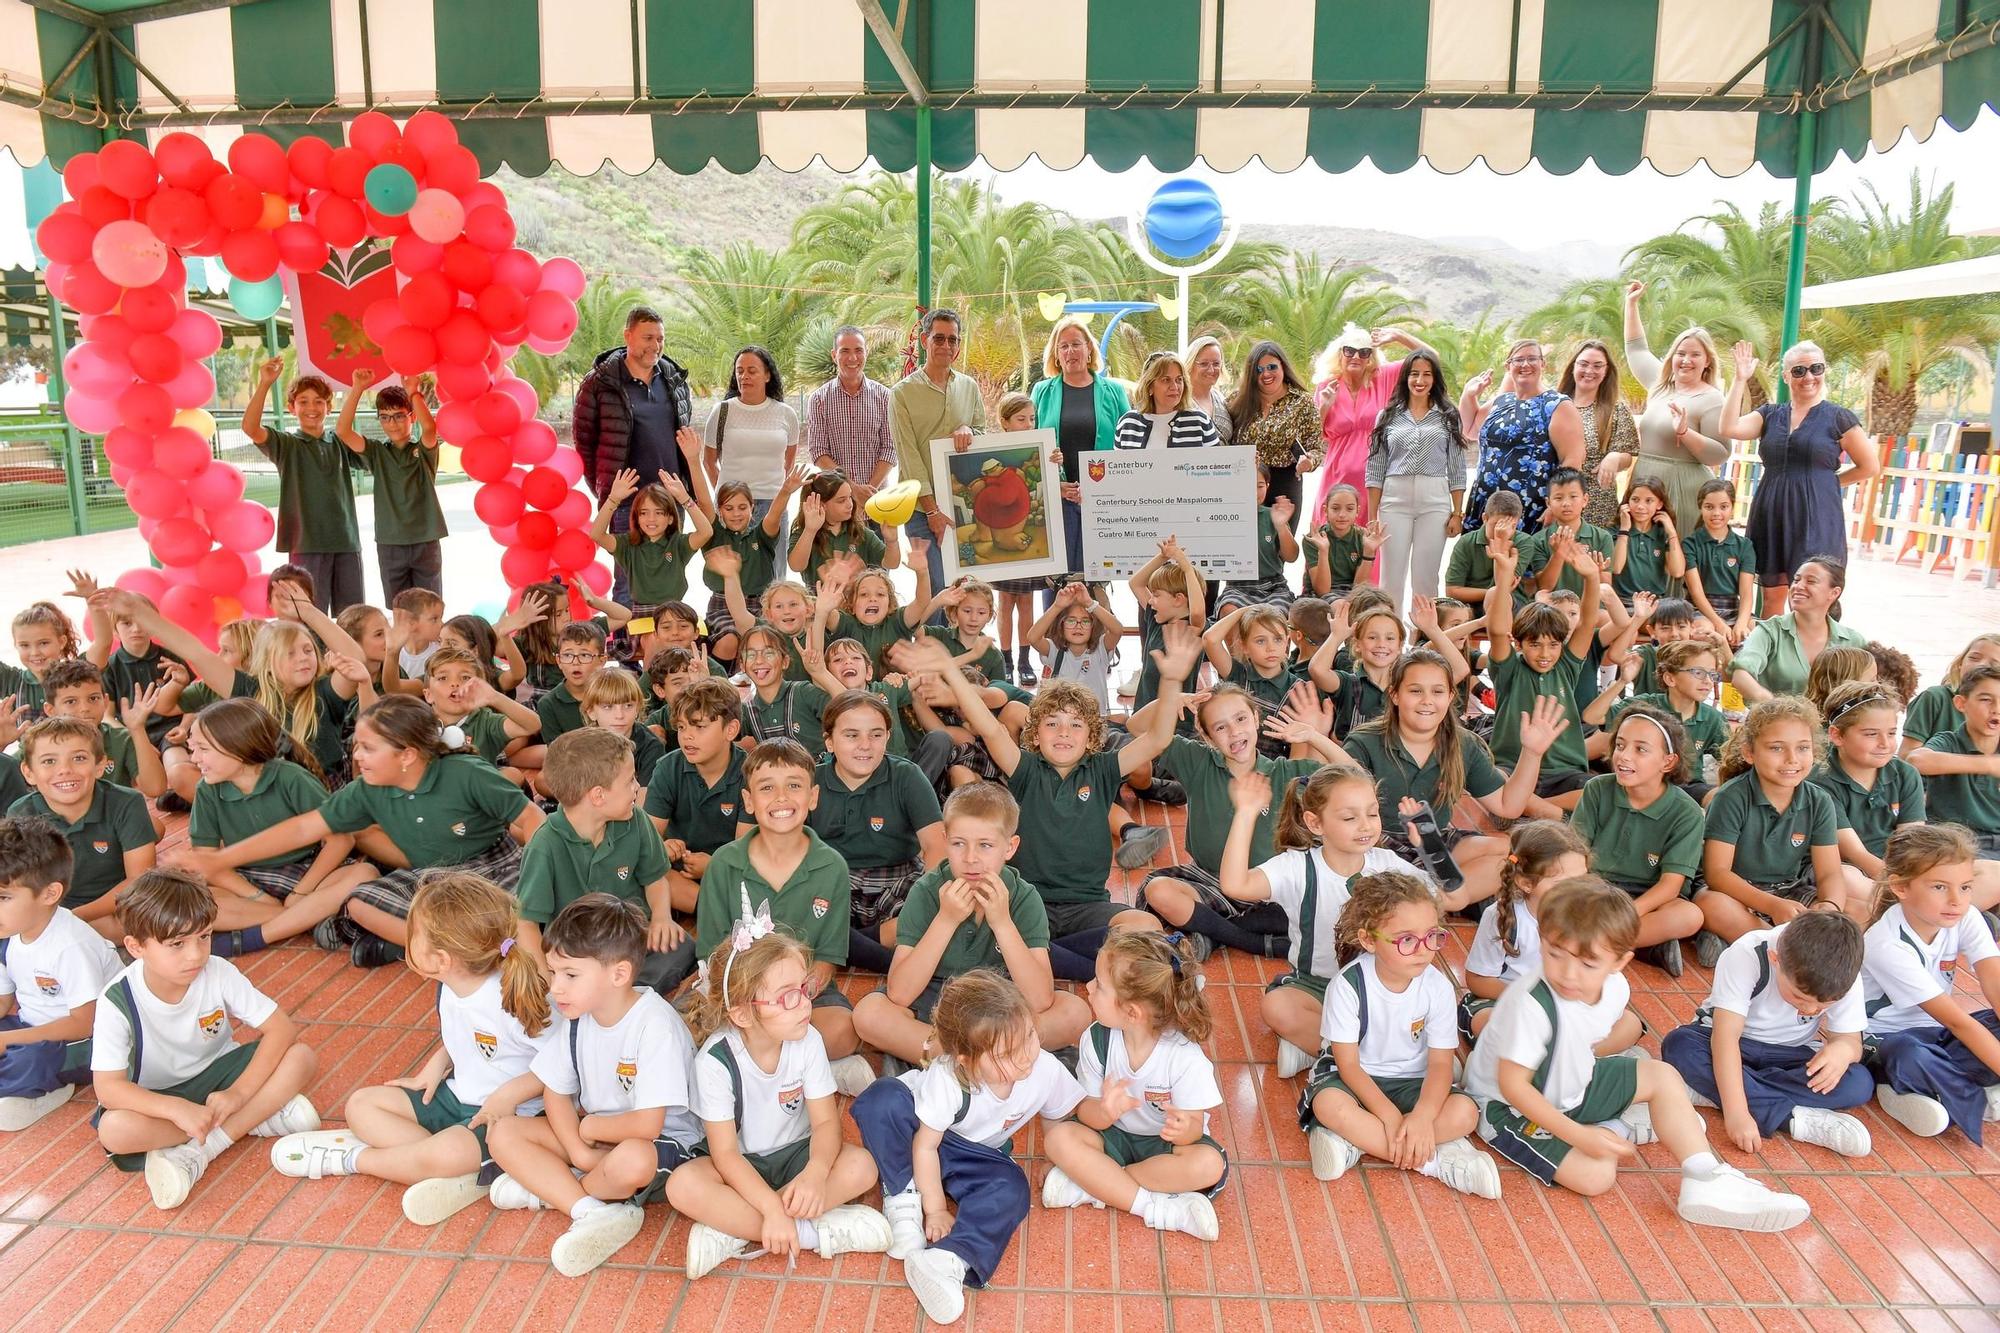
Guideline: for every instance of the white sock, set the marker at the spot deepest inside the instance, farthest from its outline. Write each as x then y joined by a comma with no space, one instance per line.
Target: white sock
808,1233
1143,1202
1702,1165
585,1206
1431,1168
216,1143
352,1158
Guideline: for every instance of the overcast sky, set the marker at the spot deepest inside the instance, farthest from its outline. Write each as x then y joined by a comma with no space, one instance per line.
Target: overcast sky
1531,209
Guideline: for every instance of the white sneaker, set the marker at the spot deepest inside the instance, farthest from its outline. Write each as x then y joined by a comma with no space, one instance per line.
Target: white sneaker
1331,1154
1190,1213
1993,1102
852,1075
429,1202
172,1172
508,1193
1923,1116
1292,1061
937,1277
296,1116
905,1212
1466,1169
1831,1129
852,1228
708,1248
1728,1198
1638,1123
595,1237
20,1112
1059,1191
314,1154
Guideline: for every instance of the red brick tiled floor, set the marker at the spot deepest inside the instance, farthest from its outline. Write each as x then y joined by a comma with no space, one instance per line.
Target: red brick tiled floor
1909,1237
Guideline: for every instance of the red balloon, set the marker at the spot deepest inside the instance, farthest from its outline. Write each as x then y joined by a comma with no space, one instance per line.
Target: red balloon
180,541
148,583
347,172
79,174
178,217
340,221
245,526
455,169
101,205
371,132
537,531
572,550
215,487
462,338
262,159
110,333
301,247
430,132
535,442
193,387
469,267
126,168
250,255
410,351
180,453
501,307
197,333
522,565
573,512
485,459
148,310
65,235
221,572
412,254
482,194
128,448
489,227
519,270
551,315
544,488
190,606
498,413
385,224
457,422
156,357
382,318
427,300
499,503
234,202
89,291
182,158
523,393
146,407
458,380
308,158
155,495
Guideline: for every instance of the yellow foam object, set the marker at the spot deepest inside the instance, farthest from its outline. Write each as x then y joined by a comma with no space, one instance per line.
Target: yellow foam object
896,505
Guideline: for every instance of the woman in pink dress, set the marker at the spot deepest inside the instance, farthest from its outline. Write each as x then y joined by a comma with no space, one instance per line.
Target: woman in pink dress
1354,384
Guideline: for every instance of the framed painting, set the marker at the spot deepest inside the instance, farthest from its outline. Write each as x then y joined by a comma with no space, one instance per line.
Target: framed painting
1003,498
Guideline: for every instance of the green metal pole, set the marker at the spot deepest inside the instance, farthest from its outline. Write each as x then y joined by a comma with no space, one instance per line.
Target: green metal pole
73,445
271,349
1795,263
924,207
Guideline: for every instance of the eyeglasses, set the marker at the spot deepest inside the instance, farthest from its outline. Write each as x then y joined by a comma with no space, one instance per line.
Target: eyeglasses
1410,944
1524,361
578,659
1802,370
1084,621
945,338
1270,367
1701,673
761,654
787,999
386,418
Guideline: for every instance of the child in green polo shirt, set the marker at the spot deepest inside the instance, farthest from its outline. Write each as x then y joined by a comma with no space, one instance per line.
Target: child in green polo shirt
695,799
599,842
1169,591
1646,555
1688,671
316,524
1247,649
866,606
1932,710
1874,792
110,836
783,867
1378,636
611,700
75,688
668,527
971,910
1645,833
1722,565
462,696
1342,547
1468,573
1772,845
579,652
130,660
831,524
1531,658
968,605
1961,770
778,709
1563,528
755,547
409,525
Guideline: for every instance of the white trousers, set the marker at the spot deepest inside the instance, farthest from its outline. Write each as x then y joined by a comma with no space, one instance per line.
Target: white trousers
1414,510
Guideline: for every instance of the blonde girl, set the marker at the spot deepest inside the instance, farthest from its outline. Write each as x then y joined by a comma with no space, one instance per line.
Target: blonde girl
43,636
967,605
1874,791
254,775
1835,666
1378,637
1771,849
1384,1086
428,1131
1541,853
941,1137
776,1175
1936,1064
1327,831
1140,1140
867,611
1647,555
1932,712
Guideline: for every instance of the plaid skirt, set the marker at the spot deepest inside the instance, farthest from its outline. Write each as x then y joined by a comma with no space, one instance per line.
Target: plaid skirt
280,881
878,891
1207,889
720,622
973,755
392,893
1276,593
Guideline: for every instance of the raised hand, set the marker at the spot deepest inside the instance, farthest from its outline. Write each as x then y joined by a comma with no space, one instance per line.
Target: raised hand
1745,356
1679,414
134,712
688,440
1480,383
268,372
1373,536
1633,289
82,584
532,609
1182,650
340,664
361,378
673,486
1628,670
722,561
1251,791
1543,724
12,711
1282,509
1424,614
623,487
1643,606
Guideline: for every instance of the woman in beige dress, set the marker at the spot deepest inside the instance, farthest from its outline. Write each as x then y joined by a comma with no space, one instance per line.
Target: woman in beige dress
1680,438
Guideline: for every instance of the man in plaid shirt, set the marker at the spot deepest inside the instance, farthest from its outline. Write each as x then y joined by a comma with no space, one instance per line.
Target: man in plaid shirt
847,421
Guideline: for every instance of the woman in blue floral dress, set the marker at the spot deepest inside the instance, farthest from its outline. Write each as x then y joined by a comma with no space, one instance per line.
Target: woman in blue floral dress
1525,433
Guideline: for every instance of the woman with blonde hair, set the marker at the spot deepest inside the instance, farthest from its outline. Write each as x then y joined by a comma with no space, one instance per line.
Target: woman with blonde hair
1160,415
1353,385
1680,436
1082,406
1205,395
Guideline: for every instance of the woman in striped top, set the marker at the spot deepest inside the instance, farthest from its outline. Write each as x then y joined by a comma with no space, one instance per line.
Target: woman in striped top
1416,477
1161,415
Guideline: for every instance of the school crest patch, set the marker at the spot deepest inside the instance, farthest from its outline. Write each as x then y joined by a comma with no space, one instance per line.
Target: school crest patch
100,845
458,829
49,986
820,906
1161,1097
728,808
213,1023
1652,860
1895,809
1798,839
1417,1028
628,1072
624,872
875,823
1097,471
1732,562
792,1098
489,1045
1083,792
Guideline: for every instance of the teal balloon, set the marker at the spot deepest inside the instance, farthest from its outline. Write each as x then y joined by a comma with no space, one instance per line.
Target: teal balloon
256,300
390,189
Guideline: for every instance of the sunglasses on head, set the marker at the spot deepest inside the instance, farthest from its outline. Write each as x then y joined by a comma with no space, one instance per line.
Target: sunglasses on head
1804,369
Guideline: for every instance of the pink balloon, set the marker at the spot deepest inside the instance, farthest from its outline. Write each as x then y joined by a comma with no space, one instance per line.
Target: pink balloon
521,392
596,578
191,607
245,526
573,512
551,316
93,370
458,380
91,414
437,216
535,442
505,535
519,270
146,407
547,346
196,332
128,448
129,254
153,494
568,464
256,594
148,583
382,318
193,387
180,541
221,572
180,453
215,487
564,277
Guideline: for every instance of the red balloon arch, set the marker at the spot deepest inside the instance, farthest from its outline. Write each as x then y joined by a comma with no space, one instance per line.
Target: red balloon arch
465,299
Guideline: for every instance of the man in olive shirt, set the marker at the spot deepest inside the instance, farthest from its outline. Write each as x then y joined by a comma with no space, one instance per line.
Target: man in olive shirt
408,522
316,524
930,403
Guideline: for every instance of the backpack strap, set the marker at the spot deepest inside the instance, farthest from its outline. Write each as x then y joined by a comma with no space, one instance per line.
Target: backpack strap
1547,999
122,999
727,1059
1100,1041
575,1065
964,1107
1055,667
1308,914
1763,968
4,939
722,428
1351,974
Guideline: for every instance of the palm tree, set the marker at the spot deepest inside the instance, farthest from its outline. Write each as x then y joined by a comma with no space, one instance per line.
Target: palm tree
1733,267
1595,308
1302,307
725,300
1466,350
600,325
1896,343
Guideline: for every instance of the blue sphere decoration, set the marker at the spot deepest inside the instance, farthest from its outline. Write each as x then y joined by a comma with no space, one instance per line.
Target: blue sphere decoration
1183,218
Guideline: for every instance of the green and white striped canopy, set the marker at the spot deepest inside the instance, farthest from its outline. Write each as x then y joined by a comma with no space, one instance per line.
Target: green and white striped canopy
687,82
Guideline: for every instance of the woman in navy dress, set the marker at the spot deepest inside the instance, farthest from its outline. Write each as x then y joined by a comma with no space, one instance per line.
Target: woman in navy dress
1809,449
1525,433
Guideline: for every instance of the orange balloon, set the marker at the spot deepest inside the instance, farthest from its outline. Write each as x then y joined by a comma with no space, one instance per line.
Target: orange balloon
228,610
277,212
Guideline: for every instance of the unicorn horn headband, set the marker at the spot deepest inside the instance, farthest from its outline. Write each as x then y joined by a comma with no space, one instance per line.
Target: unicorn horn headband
750,927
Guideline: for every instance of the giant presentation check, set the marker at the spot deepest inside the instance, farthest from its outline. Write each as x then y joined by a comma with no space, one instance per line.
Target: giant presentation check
1134,499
